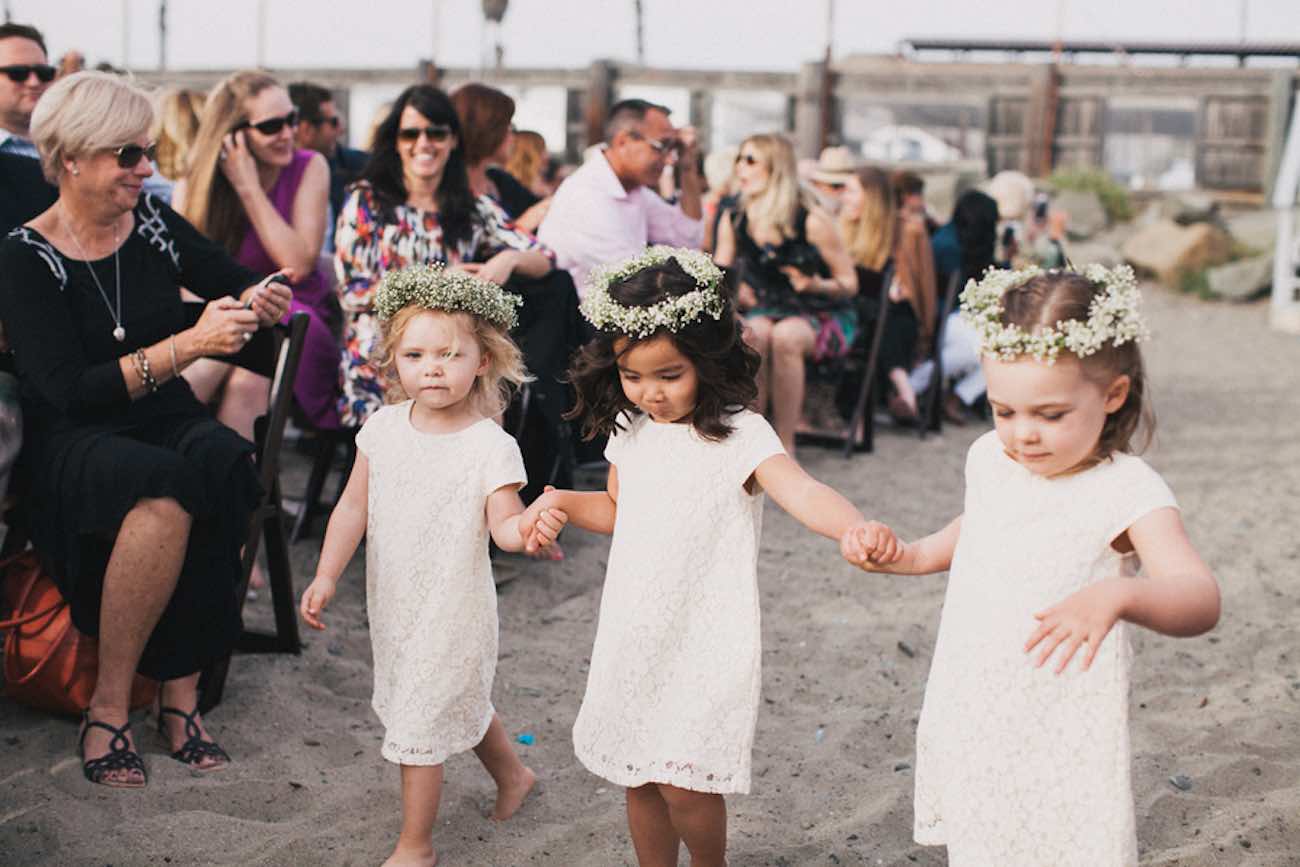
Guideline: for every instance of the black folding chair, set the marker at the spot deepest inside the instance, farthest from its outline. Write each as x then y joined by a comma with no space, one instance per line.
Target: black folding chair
863,416
328,443
931,419
268,522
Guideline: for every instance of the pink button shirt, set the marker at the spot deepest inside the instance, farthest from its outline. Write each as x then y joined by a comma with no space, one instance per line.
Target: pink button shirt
595,221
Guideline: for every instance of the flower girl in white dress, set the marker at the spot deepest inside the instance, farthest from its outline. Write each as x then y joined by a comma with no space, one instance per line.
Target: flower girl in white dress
1022,759
434,476
673,691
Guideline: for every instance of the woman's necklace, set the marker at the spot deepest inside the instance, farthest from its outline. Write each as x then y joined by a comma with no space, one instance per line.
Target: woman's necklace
119,333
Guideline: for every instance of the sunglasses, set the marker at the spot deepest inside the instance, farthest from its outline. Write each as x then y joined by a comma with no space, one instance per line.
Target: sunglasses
128,156
20,72
332,120
436,134
747,159
659,146
273,125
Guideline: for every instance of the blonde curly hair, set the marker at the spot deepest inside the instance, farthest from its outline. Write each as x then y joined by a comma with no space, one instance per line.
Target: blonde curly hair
492,390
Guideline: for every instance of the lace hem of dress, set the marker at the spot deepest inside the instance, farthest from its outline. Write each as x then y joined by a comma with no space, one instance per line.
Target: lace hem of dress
683,775
405,753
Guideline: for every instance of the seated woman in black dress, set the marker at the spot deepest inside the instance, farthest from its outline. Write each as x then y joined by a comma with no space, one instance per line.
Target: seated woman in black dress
139,500
797,280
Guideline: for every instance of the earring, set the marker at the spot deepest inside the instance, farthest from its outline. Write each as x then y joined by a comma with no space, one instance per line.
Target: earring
76,171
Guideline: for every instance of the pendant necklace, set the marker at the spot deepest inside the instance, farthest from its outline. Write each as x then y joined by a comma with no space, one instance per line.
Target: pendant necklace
119,333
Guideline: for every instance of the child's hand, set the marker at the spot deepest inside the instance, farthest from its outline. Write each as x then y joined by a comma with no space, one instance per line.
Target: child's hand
545,530
541,522
871,544
1085,617
314,599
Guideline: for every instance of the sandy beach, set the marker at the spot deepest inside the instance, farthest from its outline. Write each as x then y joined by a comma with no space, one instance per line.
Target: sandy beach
845,659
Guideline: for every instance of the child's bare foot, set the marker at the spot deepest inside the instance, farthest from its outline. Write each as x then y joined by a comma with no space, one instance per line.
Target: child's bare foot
410,857
511,797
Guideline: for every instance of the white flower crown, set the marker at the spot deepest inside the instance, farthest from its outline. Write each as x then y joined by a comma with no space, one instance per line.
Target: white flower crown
1113,315
674,314
439,288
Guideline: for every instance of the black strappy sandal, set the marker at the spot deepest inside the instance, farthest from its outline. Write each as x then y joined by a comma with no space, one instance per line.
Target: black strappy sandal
120,756
195,749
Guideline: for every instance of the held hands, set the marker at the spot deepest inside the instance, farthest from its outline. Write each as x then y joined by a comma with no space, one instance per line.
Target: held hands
314,600
270,298
495,270
871,545
1084,618
223,329
237,163
540,524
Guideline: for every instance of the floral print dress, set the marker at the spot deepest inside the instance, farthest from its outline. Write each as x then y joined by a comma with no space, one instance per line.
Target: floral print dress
368,244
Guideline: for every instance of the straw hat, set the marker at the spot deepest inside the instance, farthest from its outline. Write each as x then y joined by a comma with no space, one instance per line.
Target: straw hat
835,166
1014,193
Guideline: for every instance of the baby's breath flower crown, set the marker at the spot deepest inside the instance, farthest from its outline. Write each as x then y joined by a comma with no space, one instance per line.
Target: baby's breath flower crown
439,288
1113,316
674,314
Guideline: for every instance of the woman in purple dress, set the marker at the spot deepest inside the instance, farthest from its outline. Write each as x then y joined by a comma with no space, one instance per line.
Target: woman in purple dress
251,190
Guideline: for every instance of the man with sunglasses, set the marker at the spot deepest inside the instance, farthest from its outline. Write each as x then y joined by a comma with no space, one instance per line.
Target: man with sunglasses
25,73
320,128
608,210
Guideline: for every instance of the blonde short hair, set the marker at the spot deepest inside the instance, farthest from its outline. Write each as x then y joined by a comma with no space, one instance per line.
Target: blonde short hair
492,390
87,112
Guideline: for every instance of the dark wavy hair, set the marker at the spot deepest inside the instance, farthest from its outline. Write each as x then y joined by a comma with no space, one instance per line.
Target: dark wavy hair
725,366
384,170
1057,296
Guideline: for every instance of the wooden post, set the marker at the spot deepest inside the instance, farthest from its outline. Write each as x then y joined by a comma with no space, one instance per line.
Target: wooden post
702,118
810,121
600,98
1040,121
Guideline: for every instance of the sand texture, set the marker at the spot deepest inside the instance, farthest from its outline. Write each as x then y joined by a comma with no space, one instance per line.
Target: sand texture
845,659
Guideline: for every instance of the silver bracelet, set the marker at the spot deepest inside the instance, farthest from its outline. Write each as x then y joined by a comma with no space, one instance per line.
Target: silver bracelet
171,342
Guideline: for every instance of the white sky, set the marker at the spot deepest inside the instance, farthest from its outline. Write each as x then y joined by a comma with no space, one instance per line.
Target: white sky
743,34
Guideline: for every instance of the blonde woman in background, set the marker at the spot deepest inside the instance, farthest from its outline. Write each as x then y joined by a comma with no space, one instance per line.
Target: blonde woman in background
175,128
797,281
527,161
877,231
249,188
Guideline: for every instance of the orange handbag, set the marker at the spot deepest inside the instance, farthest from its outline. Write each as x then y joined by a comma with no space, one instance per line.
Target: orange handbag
49,664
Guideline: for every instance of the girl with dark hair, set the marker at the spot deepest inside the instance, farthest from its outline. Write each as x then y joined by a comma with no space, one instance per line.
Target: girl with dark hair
673,692
1060,517
413,206
965,246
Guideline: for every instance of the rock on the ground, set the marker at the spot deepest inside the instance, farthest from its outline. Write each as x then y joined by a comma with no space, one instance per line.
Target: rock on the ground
1243,280
1256,229
1169,250
1088,252
1086,215
1188,208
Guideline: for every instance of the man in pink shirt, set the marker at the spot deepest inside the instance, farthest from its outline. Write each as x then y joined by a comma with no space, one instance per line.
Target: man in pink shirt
607,210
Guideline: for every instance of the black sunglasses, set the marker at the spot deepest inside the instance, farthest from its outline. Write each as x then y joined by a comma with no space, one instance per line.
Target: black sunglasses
128,156
435,133
273,125
20,72
333,120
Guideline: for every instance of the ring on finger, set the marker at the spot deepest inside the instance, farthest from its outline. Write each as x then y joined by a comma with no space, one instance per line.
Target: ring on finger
247,335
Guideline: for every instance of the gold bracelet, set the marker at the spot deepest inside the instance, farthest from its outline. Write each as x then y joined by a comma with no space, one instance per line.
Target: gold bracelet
171,342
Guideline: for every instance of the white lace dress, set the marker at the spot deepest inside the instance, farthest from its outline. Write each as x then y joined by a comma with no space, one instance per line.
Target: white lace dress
1018,766
672,696
429,590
